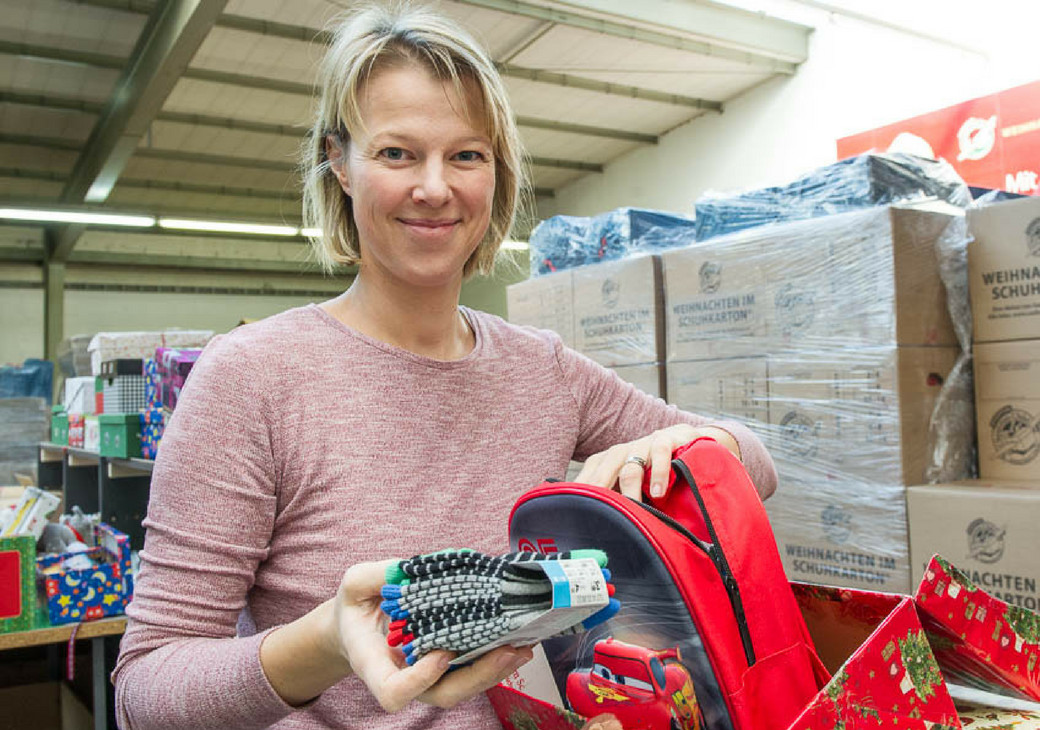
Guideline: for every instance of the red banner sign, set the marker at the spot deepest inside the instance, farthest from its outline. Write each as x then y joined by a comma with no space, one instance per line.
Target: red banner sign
992,142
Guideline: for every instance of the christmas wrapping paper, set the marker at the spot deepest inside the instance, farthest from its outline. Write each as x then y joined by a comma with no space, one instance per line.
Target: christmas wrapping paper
82,595
76,425
174,365
153,423
980,717
980,640
17,583
152,383
124,394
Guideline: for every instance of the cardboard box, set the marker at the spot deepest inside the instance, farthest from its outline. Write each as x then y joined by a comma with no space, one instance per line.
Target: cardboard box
618,311
1004,270
795,285
1007,409
841,532
734,388
546,302
648,378
858,412
989,529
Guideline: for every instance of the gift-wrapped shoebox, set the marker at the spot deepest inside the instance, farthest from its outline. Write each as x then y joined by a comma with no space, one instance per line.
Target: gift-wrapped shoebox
889,657
173,366
82,586
17,583
138,345
123,385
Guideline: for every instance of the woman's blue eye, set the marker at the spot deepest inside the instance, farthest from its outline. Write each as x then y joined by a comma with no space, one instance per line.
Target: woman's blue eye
393,153
470,156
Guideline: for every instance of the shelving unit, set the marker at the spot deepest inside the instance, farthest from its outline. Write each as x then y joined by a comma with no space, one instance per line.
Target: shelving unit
115,487
118,489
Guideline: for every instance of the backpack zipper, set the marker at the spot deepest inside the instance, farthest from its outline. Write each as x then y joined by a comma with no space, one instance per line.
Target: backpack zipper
718,557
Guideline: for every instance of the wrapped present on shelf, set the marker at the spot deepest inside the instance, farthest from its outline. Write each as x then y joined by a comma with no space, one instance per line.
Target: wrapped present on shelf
153,422
59,425
123,393
982,717
91,433
152,383
120,435
79,395
75,591
76,423
115,345
17,583
174,367
99,395
981,640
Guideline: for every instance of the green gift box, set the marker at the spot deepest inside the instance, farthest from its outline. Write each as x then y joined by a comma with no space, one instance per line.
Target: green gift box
120,434
17,583
59,426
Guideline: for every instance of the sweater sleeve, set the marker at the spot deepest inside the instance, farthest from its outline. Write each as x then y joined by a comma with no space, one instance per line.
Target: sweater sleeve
612,411
210,517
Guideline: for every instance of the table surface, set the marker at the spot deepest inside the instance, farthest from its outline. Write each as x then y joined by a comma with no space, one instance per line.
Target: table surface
59,634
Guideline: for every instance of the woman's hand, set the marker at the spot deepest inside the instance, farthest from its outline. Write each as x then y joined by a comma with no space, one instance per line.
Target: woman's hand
359,630
619,466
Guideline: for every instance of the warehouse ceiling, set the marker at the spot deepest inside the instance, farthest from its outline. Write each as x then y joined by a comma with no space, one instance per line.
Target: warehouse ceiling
197,108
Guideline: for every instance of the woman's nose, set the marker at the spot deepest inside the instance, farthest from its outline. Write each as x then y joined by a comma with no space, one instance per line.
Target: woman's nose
433,187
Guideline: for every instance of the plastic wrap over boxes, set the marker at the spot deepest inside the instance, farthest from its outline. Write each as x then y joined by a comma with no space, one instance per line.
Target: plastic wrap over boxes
859,182
566,242
611,312
73,595
863,278
831,339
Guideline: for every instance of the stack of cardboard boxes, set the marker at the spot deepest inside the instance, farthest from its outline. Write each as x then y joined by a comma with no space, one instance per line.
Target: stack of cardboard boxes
989,526
830,338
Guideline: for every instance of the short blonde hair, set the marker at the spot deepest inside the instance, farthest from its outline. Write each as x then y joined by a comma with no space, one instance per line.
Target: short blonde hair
377,35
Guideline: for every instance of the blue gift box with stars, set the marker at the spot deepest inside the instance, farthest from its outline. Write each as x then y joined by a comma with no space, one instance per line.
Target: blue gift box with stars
84,594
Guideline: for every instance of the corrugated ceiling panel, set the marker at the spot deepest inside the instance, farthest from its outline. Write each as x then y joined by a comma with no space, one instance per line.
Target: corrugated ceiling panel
36,158
51,77
545,143
70,26
218,206
220,141
552,177
193,172
20,188
592,55
205,97
500,33
546,101
236,51
166,245
309,13
16,118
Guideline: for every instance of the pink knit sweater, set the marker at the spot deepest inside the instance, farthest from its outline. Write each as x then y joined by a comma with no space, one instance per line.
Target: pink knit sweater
300,447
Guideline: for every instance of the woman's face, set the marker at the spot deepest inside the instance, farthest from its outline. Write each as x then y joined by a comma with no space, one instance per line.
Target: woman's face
421,177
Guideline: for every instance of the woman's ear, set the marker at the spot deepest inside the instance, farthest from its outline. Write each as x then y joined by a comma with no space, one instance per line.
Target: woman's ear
336,154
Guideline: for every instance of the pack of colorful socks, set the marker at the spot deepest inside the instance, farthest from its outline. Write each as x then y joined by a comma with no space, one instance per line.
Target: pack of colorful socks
462,600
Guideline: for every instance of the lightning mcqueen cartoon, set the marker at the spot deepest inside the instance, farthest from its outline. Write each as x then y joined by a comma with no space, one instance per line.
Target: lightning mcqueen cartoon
645,689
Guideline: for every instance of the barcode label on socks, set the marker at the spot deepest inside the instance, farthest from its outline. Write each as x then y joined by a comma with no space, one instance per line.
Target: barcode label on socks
576,583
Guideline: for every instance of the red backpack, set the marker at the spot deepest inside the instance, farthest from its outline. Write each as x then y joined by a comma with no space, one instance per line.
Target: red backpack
709,634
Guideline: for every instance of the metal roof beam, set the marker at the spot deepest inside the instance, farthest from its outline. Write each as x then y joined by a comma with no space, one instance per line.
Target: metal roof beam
586,130
754,40
169,40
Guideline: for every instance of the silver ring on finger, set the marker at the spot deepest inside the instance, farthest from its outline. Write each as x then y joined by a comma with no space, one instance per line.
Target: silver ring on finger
636,460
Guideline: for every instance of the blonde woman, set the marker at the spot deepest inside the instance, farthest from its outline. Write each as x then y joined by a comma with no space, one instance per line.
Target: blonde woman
310,447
